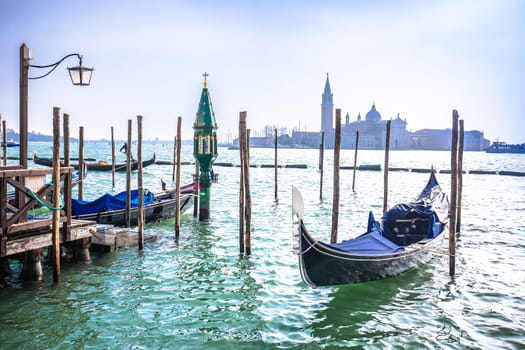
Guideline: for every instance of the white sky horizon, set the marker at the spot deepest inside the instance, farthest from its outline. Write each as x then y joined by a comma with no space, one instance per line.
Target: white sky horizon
269,58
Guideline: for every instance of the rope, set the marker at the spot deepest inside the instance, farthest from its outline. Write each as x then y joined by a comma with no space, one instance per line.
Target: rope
35,196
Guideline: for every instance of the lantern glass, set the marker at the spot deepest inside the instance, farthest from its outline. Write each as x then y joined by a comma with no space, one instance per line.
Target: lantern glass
80,75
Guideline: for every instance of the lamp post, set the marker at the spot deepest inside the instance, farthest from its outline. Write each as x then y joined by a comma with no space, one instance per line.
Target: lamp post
205,149
80,76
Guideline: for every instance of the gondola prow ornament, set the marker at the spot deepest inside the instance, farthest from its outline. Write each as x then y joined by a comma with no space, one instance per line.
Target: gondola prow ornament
205,149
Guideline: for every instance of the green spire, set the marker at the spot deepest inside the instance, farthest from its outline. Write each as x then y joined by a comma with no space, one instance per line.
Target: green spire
205,116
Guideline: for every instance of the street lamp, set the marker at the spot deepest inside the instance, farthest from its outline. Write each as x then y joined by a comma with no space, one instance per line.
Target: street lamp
80,76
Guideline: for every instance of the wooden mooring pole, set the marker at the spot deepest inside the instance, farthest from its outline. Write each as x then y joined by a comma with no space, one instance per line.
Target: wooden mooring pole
56,195
275,162
242,154
355,158
140,185
248,197
81,247
67,152
321,166
245,199
174,167
385,170
337,151
460,174
127,213
177,179
112,158
453,194
4,132
81,163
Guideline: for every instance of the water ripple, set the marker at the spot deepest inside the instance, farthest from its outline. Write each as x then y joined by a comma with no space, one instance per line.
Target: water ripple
200,292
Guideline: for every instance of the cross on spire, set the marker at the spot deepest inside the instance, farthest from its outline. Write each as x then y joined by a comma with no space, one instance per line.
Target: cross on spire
205,75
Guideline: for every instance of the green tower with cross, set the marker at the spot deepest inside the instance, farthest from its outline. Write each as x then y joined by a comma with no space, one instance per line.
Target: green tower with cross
205,149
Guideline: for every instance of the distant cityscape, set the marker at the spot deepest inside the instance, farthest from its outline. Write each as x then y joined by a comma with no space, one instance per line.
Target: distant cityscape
371,133
371,130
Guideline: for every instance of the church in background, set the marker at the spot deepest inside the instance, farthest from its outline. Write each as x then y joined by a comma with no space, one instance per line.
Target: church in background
372,132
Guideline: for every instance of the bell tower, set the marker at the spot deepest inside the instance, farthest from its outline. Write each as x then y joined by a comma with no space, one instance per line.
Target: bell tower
327,109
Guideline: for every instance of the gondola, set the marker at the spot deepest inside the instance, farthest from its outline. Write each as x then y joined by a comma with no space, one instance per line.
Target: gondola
405,238
98,165
111,209
10,143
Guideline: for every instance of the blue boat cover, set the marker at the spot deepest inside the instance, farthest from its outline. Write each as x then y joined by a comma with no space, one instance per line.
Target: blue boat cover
372,242
369,243
109,202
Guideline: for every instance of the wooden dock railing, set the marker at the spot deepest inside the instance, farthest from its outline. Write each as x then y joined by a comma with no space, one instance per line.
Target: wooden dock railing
23,189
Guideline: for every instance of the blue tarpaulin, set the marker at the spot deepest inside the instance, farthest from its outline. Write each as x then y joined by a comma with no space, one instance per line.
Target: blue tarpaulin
109,202
369,243
372,242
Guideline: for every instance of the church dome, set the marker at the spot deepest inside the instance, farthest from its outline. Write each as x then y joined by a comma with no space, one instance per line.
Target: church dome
373,115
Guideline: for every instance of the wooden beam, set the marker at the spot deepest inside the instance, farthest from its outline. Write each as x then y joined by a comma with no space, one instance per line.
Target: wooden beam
79,230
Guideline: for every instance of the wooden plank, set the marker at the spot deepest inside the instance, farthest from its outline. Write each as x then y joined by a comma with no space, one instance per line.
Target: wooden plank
20,245
32,171
29,226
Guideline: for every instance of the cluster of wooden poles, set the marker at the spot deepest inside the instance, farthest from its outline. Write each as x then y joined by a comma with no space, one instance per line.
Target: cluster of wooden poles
66,163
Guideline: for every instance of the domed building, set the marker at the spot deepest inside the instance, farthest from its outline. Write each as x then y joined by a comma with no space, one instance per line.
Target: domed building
372,131
373,115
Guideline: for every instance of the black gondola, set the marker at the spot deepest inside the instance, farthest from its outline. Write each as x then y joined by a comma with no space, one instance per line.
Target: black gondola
406,237
98,165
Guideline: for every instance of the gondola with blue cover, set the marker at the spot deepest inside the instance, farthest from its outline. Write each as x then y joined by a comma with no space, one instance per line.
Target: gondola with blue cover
405,238
111,209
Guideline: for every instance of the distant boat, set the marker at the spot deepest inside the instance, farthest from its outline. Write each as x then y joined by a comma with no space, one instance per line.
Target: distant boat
98,166
11,143
503,147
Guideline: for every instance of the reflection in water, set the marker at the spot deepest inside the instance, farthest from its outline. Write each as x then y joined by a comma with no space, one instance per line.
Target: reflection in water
374,312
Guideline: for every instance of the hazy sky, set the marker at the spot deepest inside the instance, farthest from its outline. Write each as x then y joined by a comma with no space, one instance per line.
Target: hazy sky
421,59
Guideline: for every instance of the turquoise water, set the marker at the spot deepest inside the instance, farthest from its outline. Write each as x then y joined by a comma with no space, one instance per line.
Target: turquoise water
200,293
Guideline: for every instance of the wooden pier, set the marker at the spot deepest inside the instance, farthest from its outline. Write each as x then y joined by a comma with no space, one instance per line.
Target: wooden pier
23,189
